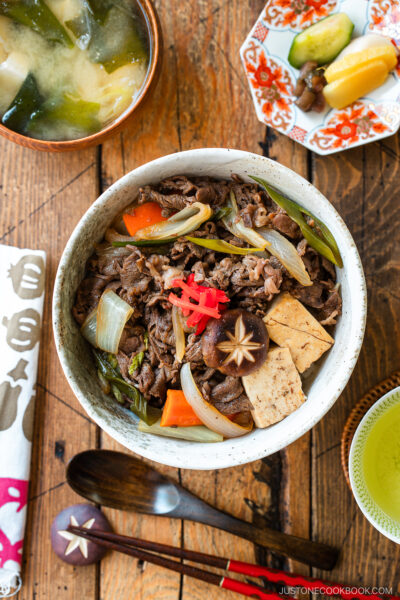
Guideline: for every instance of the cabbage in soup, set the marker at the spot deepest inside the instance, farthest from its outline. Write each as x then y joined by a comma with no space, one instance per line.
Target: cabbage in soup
69,68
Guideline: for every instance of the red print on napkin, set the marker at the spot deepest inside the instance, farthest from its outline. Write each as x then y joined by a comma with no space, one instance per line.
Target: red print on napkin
12,492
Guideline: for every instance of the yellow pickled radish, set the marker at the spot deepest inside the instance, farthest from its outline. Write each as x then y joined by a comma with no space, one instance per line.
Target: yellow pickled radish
362,81
350,63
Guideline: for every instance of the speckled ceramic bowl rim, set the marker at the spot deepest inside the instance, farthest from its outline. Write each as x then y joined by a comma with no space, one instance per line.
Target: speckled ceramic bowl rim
258,443
371,510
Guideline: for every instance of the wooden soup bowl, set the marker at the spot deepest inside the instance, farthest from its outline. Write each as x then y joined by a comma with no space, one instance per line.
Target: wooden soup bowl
156,45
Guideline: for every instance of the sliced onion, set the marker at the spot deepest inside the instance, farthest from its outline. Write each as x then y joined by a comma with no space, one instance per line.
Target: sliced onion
370,40
207,413
112,315
235,225
180,342
194,433
286,252
112,235
88,328
111,251
185,221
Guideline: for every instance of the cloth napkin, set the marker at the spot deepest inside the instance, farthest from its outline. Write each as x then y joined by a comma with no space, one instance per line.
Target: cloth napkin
22,274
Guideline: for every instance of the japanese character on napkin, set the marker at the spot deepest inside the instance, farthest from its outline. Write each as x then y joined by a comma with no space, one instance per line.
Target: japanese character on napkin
22,274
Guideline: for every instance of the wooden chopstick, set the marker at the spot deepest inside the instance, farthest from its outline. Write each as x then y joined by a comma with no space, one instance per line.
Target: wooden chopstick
102,539
117,542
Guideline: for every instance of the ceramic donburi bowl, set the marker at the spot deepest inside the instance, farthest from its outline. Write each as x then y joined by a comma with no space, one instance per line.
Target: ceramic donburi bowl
334,369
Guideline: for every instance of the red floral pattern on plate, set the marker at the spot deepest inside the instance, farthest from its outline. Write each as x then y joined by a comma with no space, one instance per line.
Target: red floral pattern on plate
355,124
272,86
296,14
384,17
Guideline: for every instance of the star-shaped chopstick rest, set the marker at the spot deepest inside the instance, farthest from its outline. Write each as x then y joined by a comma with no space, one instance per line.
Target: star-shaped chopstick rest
71,548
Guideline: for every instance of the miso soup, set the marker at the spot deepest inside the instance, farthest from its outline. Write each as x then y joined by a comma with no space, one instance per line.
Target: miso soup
69,68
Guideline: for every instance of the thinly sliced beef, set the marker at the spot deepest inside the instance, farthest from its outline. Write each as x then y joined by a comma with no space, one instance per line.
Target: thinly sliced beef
131,276
173,202
193,353
88,295
175,193
284,224
143,277
158,316
144,379
123,362
132,339
227,395
331,309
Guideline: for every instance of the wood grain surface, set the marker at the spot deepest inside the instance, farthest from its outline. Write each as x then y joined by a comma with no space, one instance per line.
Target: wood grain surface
202,99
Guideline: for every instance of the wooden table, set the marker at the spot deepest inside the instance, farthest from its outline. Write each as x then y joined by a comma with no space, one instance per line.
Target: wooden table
202,99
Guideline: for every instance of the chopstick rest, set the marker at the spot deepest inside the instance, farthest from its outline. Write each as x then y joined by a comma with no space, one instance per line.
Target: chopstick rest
74,549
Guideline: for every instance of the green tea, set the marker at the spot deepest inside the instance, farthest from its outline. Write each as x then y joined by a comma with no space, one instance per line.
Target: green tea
69,68
381,462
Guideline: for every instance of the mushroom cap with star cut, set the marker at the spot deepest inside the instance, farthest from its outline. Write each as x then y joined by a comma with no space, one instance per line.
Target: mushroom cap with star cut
71,548
236,344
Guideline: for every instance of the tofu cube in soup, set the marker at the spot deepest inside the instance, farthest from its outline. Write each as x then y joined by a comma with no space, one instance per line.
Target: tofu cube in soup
290,325
274,389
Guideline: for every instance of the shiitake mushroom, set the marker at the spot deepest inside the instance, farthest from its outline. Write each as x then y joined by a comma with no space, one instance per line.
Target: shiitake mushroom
236,344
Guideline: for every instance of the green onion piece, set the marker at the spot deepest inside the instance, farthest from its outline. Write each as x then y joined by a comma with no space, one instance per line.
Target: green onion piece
138,404
117,394
60,112
24,106
221,246
112,359
104,383
139,243
220,213
36,15
325,243
195,433
136,362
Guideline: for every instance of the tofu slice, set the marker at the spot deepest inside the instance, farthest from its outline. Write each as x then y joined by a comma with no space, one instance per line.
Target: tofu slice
275,389
13,72
290,325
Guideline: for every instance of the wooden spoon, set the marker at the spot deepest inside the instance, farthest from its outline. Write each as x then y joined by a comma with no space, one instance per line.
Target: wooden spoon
121,481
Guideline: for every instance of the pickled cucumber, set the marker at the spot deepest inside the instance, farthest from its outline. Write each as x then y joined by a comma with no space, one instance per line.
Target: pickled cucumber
322,41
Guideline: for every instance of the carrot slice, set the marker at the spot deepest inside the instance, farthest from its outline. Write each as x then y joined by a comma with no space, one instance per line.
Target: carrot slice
142,216
177,411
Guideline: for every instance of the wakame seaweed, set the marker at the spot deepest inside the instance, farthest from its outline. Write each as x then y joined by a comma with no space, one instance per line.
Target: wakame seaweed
99,9
113,44
24,106
36,15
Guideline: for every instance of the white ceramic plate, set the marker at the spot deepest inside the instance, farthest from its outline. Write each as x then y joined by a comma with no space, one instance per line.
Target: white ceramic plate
334,370
374,513
271,78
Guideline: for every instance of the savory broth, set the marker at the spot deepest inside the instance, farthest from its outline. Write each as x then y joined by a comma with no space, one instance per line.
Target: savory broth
72,71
